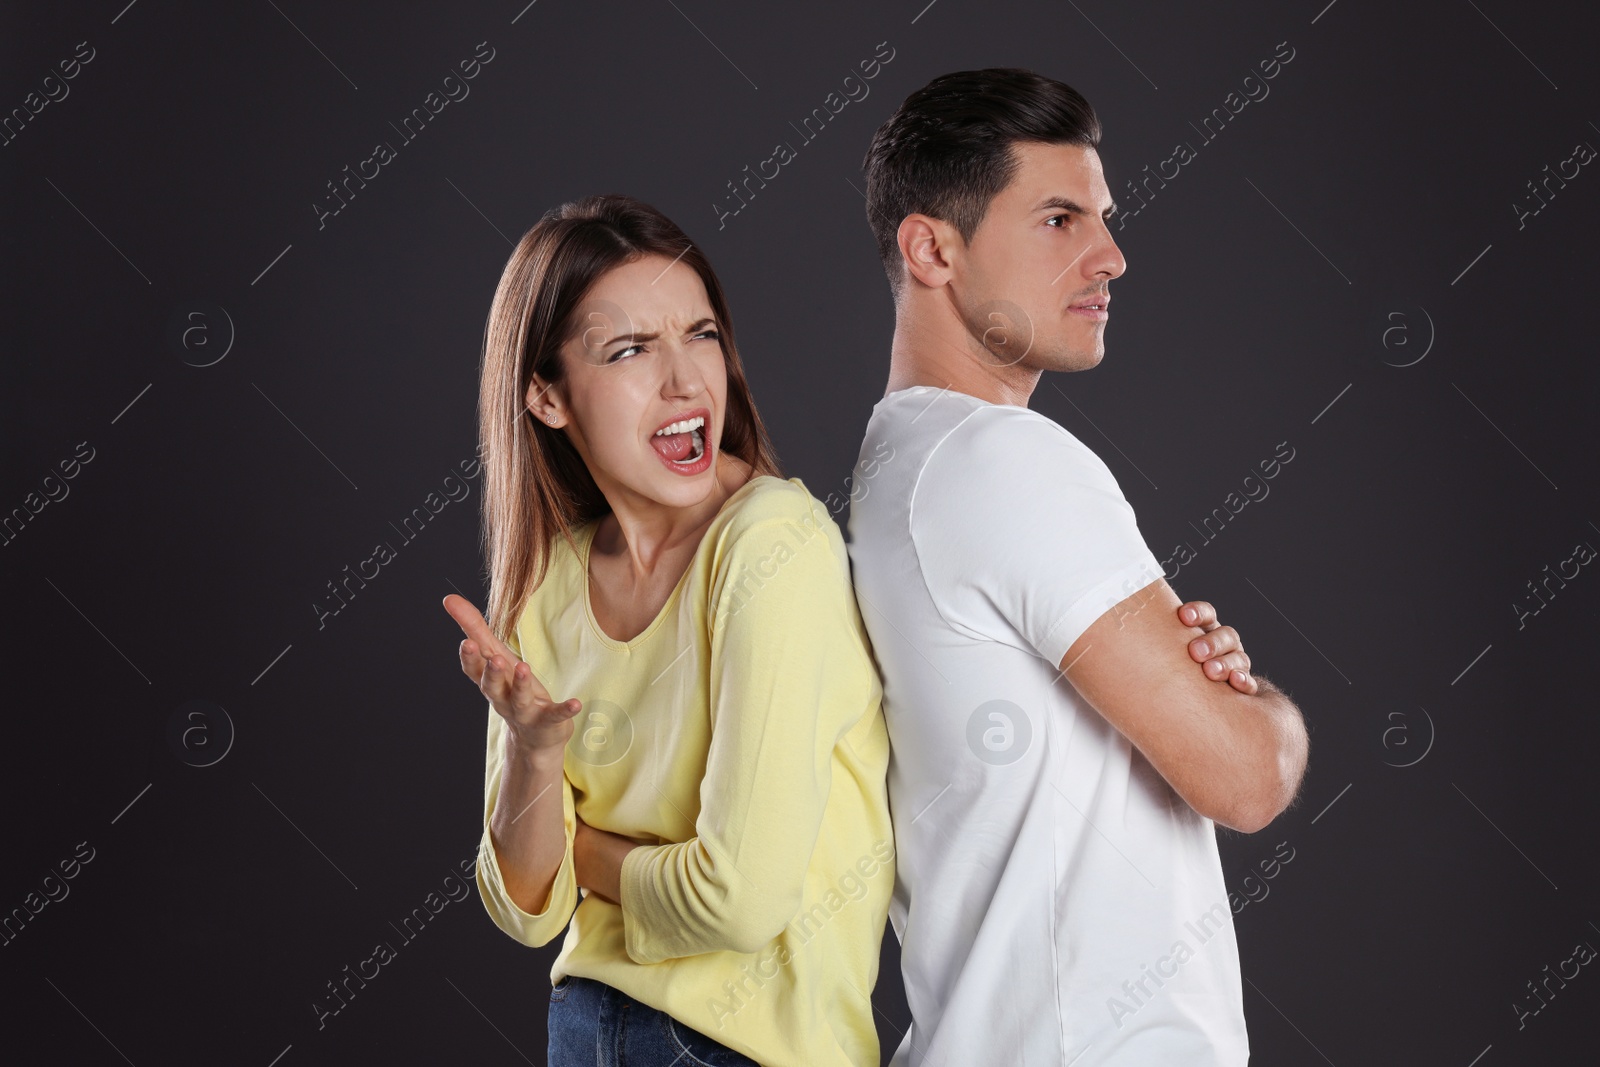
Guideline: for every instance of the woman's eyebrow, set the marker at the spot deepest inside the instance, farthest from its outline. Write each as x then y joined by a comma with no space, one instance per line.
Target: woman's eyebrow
637,337
634,336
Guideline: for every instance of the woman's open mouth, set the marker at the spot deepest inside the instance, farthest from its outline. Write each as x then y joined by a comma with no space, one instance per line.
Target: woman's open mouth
682,445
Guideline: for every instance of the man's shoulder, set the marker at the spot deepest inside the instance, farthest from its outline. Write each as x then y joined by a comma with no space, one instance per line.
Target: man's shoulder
949,424
997,447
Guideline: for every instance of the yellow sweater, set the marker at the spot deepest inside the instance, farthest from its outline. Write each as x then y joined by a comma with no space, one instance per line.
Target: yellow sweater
739,737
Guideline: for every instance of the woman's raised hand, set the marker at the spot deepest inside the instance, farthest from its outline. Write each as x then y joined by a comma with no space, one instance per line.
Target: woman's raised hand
537,723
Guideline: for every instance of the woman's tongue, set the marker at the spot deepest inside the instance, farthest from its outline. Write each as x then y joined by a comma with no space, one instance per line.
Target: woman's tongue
674,446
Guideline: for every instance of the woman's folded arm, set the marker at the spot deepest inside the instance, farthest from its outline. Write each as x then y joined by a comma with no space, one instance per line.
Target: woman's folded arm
789,677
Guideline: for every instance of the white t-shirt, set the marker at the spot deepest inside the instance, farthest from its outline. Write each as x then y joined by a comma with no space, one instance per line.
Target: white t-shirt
1056,901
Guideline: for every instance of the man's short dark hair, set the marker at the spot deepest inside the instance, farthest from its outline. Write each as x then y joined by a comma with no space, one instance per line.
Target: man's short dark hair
946,152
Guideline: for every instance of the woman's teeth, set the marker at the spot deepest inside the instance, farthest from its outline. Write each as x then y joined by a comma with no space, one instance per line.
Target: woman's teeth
682,427
699,446
681,442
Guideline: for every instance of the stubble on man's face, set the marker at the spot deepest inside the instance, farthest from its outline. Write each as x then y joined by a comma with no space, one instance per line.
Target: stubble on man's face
1043,246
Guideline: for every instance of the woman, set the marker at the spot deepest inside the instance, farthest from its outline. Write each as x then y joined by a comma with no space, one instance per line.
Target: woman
685,719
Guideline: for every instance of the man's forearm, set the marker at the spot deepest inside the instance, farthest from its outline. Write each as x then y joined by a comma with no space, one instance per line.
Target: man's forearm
1279,748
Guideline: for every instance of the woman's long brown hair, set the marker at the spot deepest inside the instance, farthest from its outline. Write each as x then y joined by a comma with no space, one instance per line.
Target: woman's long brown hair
535,484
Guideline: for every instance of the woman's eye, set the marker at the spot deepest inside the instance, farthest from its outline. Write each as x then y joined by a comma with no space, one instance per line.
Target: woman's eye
711,334
618,355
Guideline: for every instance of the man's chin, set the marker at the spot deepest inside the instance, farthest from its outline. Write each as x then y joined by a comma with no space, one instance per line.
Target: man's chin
1078,359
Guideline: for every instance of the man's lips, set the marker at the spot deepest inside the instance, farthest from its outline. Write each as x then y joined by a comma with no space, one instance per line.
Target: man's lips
1094,308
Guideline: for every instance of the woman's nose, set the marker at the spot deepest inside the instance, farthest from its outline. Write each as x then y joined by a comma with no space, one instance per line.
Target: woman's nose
683,377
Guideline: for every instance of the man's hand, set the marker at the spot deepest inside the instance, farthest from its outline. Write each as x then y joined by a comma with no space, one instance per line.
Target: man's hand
1236,757
1219,652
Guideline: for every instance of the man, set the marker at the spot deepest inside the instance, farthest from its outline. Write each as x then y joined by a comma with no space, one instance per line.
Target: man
1065,733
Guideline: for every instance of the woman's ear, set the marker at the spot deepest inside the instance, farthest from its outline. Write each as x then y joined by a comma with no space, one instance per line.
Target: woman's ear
545,403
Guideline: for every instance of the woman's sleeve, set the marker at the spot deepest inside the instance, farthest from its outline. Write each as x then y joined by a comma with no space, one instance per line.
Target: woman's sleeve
790,674
531,928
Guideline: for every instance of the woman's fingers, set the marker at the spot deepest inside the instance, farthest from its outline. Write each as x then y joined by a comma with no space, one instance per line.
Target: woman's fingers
536,720
502,676
481,646
510,681
522,700
470,620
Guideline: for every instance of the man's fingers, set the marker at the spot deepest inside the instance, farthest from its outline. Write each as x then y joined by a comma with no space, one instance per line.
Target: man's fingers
1198,613
1219,668
1244,682
1219,640
1219,651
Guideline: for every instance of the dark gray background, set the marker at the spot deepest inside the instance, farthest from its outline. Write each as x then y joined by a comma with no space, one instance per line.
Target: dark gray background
1366,202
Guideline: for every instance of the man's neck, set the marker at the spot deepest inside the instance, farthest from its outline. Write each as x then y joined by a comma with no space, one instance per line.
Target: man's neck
936,350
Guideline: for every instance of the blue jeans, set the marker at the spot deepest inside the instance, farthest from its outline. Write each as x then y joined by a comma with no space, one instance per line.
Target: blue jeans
594,1025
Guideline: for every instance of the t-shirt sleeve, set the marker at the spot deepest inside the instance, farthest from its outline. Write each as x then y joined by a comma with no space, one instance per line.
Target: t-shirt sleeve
531,928
1023,534
790,675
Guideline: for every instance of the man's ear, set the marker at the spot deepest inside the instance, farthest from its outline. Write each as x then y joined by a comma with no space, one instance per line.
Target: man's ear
927,248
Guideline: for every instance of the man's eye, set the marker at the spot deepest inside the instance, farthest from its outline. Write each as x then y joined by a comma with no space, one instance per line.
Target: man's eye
1053,218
